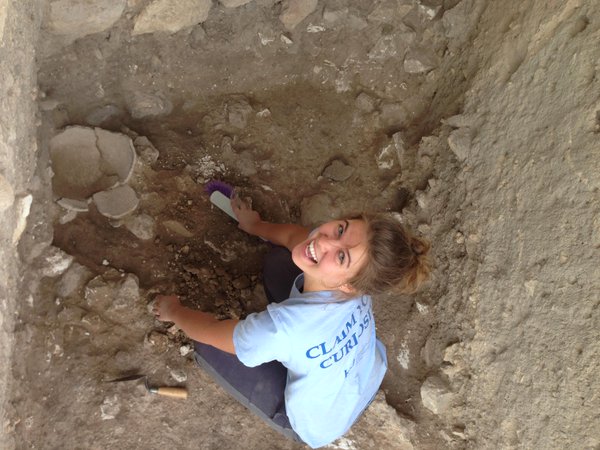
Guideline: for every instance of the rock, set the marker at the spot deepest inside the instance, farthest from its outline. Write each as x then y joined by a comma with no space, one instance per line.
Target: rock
365,103
177,228
116,203
157,341
78,18
169,16
127,293
242,282
178,375
456,22
420,60
233,3
146,151
383,425
111,291
401,153
238,112
393,115
143,226
435,395
333,16
459,142
428,11
102,114
110,408
392,45
141,104
245,164
73,280
295,11
55,262
185,349
23,209
387,158
318,209
338,171
7,194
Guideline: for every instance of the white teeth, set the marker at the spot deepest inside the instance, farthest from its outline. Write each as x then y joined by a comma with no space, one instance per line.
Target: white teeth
311,249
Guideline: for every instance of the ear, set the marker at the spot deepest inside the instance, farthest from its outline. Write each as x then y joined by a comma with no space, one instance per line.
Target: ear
347,288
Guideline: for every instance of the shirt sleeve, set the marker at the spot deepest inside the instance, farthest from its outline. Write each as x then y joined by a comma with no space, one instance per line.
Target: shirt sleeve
258,339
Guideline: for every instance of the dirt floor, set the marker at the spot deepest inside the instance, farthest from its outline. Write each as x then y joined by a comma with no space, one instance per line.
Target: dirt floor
357,107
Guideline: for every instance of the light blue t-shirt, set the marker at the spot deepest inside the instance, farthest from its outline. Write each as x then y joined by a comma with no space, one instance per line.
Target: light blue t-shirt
335,363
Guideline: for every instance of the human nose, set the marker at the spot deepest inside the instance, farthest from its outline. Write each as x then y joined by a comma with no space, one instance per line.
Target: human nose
327,243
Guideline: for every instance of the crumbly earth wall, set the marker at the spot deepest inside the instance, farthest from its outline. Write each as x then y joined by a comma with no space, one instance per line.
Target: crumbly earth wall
531,211
19,28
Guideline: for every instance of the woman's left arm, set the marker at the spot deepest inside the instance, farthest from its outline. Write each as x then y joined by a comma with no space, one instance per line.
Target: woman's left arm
199,326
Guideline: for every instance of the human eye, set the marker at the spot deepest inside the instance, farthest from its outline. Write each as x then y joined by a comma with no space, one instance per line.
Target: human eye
341,256
340,230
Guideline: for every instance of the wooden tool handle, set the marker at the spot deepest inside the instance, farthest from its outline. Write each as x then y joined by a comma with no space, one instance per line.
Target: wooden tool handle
176,392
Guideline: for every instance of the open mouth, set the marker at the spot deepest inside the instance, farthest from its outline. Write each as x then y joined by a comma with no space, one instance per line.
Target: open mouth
310,252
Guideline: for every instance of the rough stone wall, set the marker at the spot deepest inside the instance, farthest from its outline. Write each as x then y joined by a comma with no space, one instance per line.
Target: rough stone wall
19,25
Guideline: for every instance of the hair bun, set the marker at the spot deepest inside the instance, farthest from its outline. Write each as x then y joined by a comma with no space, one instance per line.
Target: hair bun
419,246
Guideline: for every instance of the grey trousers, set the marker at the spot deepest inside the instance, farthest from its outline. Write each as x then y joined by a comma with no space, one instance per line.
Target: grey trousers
260,389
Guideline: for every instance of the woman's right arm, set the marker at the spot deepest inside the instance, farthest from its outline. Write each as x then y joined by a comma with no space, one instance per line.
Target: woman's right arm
286,235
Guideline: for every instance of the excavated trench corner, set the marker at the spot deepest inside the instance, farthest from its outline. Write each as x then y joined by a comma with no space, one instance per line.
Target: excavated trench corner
313,110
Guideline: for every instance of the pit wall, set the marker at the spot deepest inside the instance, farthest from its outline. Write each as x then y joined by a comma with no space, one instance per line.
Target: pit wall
19,27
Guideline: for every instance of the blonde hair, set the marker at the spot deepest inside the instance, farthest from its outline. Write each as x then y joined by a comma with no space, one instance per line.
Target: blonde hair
397,260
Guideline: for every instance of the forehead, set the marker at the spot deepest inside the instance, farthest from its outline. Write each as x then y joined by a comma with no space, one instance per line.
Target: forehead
355,234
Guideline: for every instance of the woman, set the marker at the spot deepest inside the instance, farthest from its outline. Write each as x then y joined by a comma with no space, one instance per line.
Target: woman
310,363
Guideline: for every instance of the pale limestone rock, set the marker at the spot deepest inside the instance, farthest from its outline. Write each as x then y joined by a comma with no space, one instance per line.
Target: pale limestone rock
78,18
393,115
169,16
459,142
143,226
238,112
112,291
381,424
338,171
116,203
420,60
146,151
387,157
7,194
365,103
110,408
23,209
177,228
295,11
435,395
178,375
55,262
102,114
141,104
233,3
72,280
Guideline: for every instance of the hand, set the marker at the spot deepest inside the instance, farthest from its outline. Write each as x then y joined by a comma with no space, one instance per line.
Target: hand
165,307
247,217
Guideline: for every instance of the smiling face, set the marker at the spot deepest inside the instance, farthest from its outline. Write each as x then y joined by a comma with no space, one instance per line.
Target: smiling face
332,255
